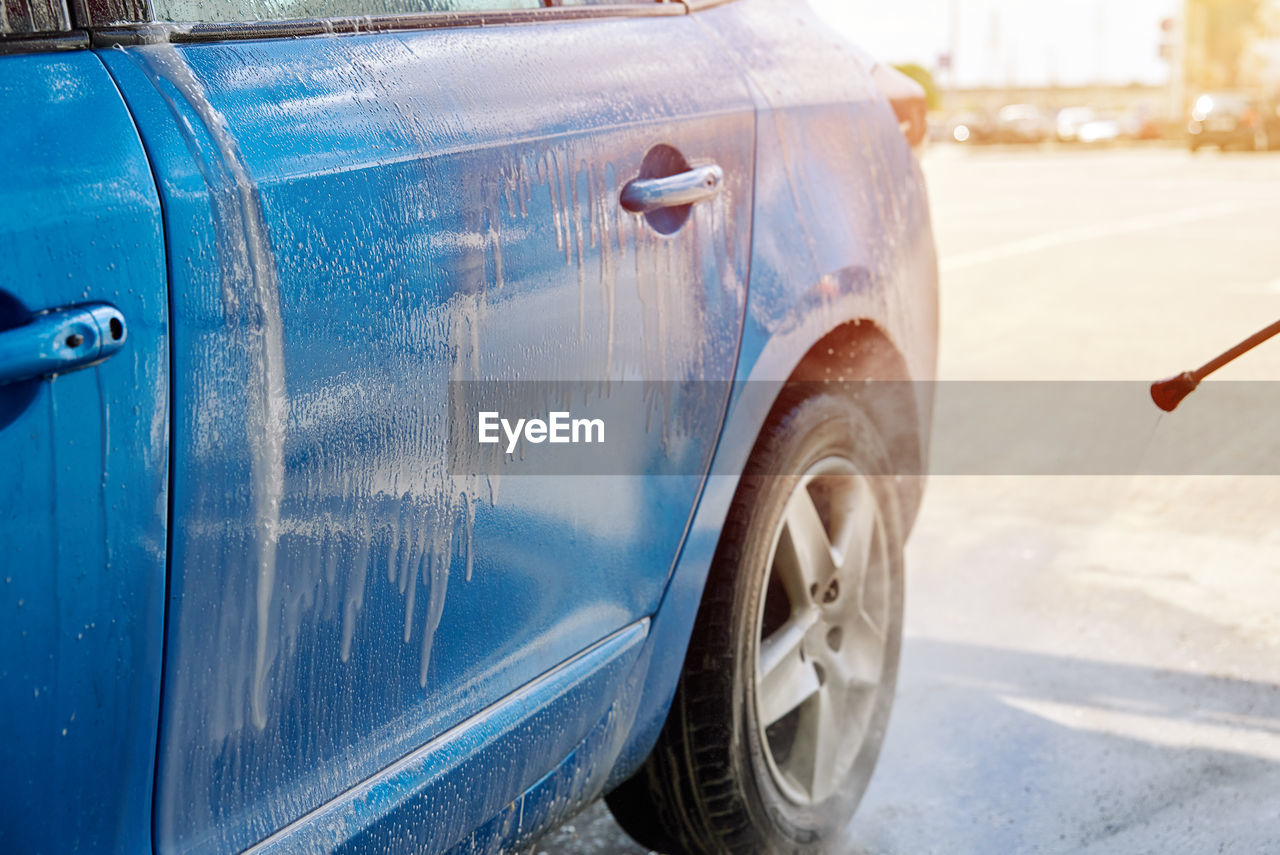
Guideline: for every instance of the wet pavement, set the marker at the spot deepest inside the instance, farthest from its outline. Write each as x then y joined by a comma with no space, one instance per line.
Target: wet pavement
1092,664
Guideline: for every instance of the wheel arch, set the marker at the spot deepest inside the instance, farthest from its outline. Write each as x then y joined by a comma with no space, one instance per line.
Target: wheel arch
858,349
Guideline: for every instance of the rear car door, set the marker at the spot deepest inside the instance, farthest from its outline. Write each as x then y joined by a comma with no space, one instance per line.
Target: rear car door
83,455
355,222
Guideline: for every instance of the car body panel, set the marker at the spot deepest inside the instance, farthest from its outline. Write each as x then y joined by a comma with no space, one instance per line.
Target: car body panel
367,651
842,229
842,236
85,469
414,806
340,596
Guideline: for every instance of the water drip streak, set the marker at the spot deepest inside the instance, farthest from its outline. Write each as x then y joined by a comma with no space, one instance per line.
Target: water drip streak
577,232
593,198
560,176
495,240
508,183
546,175
608,267
249,277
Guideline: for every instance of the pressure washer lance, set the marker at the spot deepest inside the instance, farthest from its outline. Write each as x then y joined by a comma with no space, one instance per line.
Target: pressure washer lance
1169,393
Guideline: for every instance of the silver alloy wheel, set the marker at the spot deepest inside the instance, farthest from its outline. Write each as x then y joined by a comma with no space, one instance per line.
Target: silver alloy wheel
822,631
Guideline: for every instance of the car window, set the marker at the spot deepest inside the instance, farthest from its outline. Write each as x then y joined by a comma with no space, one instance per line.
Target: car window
232,11
24,17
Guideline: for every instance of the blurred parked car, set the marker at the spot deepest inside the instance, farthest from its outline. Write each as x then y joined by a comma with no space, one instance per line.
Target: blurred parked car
1092,126
939,130
971,128
250,259
1021,123
1070,120
1099,131
1233,120
1142,122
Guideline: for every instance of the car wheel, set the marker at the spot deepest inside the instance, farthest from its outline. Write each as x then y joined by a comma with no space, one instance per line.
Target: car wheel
781,710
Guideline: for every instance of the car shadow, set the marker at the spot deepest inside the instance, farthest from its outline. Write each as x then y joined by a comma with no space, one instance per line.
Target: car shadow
1009,751
998,750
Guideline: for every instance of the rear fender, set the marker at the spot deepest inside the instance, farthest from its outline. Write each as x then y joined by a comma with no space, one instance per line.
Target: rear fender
844,275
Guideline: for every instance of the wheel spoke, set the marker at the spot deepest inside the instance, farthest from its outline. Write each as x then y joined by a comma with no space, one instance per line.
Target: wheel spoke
864,656
786,680
858,534
804,556
820,674
868,608
829,731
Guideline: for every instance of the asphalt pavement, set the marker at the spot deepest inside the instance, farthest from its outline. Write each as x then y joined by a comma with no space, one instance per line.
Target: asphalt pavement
1092,663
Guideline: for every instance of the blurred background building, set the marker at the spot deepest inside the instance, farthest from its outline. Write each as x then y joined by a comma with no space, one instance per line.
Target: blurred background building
1232,44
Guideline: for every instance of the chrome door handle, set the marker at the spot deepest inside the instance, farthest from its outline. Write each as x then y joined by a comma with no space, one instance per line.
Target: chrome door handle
686,188
60,340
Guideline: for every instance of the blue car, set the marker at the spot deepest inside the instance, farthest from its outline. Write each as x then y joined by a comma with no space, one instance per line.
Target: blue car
272,583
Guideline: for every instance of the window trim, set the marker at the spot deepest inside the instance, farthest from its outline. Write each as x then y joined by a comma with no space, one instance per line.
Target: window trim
113,23
11,43
150,32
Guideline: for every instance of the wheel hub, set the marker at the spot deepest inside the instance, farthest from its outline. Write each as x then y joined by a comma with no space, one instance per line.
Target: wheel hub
822,631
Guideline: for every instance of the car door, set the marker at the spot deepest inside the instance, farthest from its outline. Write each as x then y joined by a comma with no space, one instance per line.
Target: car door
84,379
356,222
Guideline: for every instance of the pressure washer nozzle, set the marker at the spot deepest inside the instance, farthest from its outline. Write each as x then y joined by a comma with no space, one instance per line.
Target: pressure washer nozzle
1169,393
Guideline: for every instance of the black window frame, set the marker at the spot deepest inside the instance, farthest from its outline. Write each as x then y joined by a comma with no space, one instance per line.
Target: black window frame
110,23
38,25
124,22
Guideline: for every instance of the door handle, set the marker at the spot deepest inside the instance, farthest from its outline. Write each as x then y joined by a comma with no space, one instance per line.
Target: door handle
60,340
685,188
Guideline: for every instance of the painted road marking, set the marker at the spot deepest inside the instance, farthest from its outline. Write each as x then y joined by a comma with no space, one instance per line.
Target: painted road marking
1098,231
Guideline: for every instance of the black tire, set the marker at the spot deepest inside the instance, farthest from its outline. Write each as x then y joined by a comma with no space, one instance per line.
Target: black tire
714,785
